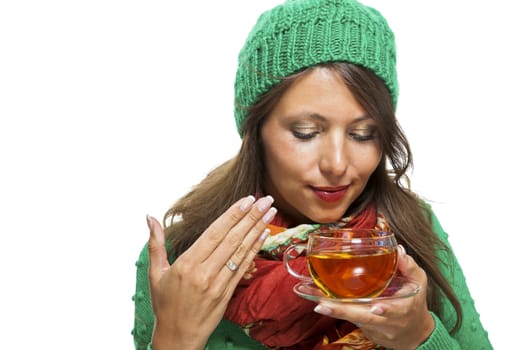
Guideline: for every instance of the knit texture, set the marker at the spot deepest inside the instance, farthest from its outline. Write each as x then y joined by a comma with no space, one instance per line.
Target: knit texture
302,33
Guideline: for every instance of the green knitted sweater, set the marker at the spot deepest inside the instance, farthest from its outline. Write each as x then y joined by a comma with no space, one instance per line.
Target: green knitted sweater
228,335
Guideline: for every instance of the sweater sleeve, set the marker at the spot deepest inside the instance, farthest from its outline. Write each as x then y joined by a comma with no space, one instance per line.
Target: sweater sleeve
471,335
143,323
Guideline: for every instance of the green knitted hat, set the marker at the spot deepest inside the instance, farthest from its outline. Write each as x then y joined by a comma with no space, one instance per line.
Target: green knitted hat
302,33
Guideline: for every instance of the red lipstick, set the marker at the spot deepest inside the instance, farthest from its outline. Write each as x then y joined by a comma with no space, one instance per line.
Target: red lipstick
330,194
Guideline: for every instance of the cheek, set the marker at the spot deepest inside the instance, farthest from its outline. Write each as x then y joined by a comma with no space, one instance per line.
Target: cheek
367,161
288,164
284,158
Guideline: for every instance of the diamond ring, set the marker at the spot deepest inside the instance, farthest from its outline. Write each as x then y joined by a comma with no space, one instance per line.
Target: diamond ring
231,265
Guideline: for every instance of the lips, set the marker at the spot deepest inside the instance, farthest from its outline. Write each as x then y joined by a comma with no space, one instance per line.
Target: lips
330,194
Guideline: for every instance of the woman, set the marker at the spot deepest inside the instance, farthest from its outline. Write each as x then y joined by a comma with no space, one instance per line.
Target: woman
316,90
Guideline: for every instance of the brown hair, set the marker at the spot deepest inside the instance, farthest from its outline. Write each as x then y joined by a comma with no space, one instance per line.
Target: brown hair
387,188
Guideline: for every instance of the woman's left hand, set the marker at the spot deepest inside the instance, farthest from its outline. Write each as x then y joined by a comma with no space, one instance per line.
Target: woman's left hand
398,323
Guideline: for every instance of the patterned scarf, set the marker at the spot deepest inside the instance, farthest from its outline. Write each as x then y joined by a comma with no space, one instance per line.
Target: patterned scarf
265,305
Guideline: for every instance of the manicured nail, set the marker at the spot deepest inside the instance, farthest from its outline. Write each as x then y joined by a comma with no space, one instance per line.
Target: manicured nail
323,310
270,214
377,310
265,203
148,221
247,203
402,253
265,234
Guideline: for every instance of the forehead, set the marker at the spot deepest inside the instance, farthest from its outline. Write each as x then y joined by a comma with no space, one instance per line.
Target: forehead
319,92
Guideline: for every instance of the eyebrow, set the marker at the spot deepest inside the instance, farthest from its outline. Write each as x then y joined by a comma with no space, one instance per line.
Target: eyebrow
322,118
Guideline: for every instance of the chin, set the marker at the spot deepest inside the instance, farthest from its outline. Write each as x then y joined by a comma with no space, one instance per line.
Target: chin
327,216
326,219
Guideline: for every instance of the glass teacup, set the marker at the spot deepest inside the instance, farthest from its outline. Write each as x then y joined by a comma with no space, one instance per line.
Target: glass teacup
347,263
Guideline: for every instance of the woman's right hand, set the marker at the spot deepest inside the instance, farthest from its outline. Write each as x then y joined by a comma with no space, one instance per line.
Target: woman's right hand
190,297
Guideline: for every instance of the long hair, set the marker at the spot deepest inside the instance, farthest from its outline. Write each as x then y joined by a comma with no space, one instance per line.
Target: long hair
388,187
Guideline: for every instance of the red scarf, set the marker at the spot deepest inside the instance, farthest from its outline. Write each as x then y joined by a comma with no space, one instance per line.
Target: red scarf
265,305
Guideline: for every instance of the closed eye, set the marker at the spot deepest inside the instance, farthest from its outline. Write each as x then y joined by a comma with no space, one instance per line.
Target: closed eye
305,136
363,135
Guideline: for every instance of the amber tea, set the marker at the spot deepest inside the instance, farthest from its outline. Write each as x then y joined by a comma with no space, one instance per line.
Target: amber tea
348,263
352,274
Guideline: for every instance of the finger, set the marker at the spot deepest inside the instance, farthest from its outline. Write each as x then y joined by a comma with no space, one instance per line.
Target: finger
246,266
215,233
402,259
247,261
247,235
393,308
241,238
158,257
357,314
408,267
417,277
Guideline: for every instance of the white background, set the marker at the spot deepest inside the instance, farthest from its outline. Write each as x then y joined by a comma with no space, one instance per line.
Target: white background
110,110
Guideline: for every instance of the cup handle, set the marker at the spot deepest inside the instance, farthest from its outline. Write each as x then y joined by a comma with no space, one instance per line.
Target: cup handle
288,254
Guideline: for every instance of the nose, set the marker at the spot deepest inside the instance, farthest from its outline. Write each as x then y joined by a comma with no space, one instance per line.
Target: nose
334,156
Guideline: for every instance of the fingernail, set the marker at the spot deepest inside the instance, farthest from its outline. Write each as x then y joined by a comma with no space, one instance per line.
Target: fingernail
264,203
148,221
265,234
323,310
270,214
377,310
402,252
247,203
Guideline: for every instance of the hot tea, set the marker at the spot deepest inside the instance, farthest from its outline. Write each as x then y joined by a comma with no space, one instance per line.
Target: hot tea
354,273
347,263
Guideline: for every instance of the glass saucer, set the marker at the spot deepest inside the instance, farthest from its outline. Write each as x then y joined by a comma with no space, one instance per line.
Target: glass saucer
399,288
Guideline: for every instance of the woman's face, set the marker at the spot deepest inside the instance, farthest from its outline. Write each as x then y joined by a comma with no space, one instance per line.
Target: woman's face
320,148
